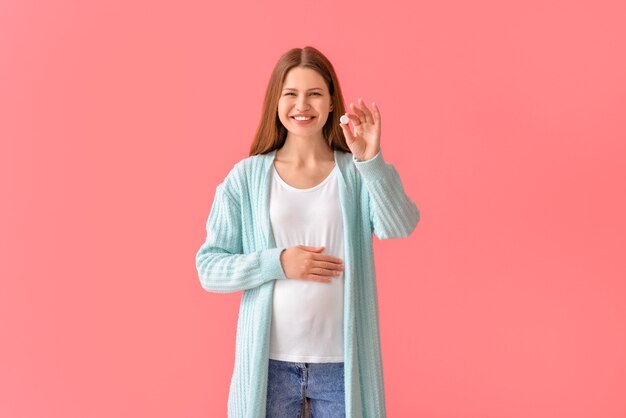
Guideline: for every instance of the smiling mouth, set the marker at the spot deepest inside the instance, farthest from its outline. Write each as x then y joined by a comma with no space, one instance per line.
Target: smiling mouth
302,119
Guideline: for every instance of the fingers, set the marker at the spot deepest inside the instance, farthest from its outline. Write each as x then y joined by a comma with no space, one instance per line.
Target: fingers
366,111
326,272
323,275
326,258
330,266
346,130
363,114
326,268
316,278
354,118
376,113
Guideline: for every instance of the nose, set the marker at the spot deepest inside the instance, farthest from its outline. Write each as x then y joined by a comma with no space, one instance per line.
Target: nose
302,104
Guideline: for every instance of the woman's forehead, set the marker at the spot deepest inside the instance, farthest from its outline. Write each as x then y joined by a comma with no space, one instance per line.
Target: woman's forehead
304,78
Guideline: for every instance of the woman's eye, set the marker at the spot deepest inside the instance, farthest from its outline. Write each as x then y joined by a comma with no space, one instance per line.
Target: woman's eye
292,94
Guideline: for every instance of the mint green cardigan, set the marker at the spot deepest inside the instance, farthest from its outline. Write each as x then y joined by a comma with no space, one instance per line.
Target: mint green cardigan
240,254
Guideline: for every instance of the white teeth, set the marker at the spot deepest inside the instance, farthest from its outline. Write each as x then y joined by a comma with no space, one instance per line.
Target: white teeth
302,118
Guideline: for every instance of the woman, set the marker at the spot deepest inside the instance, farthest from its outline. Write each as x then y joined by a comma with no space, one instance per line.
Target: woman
291,225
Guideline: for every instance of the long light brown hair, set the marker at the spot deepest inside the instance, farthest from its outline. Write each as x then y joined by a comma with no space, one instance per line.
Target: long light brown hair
271,134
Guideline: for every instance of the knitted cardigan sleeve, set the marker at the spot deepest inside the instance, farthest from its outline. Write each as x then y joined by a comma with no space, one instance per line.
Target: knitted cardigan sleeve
392,213
222,266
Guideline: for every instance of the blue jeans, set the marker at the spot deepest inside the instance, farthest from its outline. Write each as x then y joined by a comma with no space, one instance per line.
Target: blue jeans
295,388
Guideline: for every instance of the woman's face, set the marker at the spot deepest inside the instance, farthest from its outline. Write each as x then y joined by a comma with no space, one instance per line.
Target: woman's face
304,93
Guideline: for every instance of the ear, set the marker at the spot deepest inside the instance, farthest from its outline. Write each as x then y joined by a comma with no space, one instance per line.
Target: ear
331,107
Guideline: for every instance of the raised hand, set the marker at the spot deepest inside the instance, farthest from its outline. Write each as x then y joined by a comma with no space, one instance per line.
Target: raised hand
364,143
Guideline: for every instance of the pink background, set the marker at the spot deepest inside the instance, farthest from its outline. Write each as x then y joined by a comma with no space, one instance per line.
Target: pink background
505,121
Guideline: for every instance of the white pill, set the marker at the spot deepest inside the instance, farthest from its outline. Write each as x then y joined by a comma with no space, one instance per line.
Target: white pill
344,119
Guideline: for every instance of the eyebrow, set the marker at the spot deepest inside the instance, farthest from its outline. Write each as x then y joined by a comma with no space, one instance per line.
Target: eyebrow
314,88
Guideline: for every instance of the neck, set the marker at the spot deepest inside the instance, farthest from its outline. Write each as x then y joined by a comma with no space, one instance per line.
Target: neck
305,151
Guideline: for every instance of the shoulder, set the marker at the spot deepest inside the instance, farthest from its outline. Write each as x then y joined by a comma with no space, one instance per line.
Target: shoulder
249,166
244,173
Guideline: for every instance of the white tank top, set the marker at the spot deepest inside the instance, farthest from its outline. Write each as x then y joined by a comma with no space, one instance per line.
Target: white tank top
307,317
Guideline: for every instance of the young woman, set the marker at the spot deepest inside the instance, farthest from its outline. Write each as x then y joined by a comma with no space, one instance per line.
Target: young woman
291,225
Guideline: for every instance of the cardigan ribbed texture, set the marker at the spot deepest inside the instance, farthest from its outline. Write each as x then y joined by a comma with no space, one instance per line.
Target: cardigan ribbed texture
240,254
